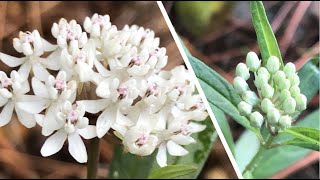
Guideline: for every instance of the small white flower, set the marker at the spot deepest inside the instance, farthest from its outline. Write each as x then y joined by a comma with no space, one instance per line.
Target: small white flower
97,24
72,126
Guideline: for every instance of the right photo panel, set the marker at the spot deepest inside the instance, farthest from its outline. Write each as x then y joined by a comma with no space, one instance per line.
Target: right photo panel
258,63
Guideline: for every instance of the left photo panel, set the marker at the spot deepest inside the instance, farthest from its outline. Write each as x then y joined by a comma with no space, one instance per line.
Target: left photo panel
100,90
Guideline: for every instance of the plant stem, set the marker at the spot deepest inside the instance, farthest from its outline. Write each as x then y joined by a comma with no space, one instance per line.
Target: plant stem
259,155
93,158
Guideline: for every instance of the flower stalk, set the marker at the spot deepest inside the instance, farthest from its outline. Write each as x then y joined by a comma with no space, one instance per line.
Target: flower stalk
93,158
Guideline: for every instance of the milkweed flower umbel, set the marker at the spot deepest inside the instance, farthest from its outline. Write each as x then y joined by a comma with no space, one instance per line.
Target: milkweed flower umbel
114,73
277,98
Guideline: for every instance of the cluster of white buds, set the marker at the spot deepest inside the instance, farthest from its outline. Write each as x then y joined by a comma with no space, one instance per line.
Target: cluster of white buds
278,96
146,107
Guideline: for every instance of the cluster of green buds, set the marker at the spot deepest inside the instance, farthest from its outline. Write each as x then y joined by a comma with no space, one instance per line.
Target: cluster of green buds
278,96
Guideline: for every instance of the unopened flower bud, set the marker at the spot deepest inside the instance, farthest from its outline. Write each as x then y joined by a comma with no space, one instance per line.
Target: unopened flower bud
285,94
267,91
278,77
273,116
244,108
284,84
262,71
27,49
242,71
289,105
295,91
252,61
273,64
250,97
240,85
294,79
285,122
301,101
256,119
260,80
289,69
266,105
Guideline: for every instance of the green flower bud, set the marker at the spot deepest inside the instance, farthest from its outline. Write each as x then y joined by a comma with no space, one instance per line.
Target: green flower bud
295,91
278,77
252,61
284,84
273,64
267,91
262,71
294,79
285,94
256,119
244,108
242,71
289,105
273,116
266,105
289,69
285,122
250,97
260,80
301,101
240,85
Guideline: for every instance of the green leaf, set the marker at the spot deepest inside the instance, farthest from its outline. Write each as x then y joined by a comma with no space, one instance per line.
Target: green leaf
172,171
128,166
198,152
224,126
309,76
304,137
267,42
219,91
274,160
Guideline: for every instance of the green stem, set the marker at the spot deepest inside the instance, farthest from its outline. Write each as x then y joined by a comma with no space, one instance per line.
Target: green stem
93,158
259,155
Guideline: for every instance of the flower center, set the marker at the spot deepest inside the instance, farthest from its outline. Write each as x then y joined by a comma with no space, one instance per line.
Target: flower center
81,57
28,38
60,84
135,61
142,140
98,20
184,130
197,106
122,90
72,117
71,35
181,89
6,82
152,90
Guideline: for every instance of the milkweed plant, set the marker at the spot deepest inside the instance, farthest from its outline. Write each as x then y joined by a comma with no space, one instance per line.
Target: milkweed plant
115,74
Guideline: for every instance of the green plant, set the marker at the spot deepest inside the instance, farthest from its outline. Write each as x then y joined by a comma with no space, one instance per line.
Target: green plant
262,151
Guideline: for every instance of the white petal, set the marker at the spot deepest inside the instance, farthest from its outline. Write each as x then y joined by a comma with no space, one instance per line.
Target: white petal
95,106
105,121
162,155
39,119
54,143
39,88
101,69
103,89
88,132
25,118
6,113
40,72
32,104
176,150
24,70
52,61
48,47
3,100
77,148
196,127
11,61
182,140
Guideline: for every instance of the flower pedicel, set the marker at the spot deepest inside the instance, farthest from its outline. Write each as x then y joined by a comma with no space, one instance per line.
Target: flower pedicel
146,107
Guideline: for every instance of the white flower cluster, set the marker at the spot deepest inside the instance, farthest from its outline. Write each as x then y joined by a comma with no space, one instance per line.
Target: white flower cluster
145,106
279,96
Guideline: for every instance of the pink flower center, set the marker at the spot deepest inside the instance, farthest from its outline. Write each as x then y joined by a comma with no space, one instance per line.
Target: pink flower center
28,38
122,90
98,20
60,84
72,117
142,140
6,82
71,35
197,106
181,89
81,57
152,90
184,130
